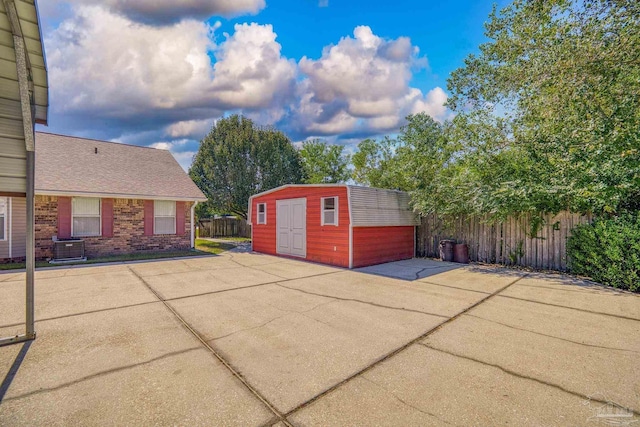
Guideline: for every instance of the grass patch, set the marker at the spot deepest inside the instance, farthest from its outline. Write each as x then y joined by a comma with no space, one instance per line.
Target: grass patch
212,247
203,247
235,239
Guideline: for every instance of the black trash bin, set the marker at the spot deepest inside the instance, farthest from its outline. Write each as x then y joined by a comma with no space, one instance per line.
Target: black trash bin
446,250
461,253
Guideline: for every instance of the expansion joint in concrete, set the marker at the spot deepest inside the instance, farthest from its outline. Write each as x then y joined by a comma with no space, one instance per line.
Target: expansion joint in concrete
618,316
522,376
220,291
216,354
454,287
362,302
399,349
553,336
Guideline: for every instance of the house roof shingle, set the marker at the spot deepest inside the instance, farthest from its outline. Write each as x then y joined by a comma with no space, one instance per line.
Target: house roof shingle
69,165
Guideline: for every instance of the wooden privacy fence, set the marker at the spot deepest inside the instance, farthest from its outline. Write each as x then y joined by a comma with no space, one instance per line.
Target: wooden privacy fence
524,240
224,227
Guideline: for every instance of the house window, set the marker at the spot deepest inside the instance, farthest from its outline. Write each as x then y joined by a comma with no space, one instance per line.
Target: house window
4,213
329,211
85,214
262,213
164,221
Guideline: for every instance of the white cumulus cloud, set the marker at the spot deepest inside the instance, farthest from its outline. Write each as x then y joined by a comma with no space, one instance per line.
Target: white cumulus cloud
432,103
250,71
177,149
185,159
117,77
102,64
362,84
190,128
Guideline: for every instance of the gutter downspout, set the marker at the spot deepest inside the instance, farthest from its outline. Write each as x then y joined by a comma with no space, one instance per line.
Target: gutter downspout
9,225
350,228
193,225
249,219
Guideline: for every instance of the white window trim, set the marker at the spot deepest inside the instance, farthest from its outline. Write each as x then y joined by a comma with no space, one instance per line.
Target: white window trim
322,210
258,214
99,216
175,218
5,236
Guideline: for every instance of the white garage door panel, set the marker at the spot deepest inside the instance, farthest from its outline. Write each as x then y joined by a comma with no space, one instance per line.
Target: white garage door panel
283,242
298,215
282,225
291,222
298,243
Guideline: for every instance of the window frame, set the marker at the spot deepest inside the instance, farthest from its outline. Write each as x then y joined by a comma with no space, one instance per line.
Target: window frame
175,216
323,210
85,216
5,215
264,220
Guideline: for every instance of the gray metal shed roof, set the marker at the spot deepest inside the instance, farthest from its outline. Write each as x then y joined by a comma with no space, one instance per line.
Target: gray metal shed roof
67,165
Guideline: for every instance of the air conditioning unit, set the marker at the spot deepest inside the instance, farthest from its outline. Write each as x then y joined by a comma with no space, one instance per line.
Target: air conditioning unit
68,250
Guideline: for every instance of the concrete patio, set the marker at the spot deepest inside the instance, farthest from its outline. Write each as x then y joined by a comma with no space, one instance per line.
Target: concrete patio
248,339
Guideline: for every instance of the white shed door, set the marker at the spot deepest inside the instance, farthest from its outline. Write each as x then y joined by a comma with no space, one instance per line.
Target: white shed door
291,225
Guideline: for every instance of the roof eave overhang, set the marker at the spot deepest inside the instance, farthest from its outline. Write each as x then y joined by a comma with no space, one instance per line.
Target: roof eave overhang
382,224
282,187
24,18
106,195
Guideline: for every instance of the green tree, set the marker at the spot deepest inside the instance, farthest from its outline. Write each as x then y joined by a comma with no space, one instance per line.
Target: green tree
422,157
205,210
324,163
375,164
564,78
408,162
238,159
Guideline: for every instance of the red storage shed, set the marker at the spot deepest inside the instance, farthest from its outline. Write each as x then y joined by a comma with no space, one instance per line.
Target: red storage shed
337,224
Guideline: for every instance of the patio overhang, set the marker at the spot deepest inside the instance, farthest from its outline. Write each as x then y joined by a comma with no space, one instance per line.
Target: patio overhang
23,90
24,101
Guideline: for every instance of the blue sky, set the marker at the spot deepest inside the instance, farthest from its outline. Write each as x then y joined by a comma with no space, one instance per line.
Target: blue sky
160,72
445,31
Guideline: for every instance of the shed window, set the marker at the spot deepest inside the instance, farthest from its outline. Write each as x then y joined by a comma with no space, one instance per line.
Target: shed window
85,214
4,213
262,213
164,221
329,211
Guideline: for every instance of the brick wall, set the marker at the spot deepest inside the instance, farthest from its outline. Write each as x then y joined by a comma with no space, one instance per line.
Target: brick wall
46,225
128,230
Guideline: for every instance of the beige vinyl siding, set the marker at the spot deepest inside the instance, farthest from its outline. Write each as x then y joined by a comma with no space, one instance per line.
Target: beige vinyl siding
4,242
16,229
373,207
19,226
12,143
13,163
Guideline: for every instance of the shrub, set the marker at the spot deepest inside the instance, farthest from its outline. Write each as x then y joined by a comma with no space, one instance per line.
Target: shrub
608,251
